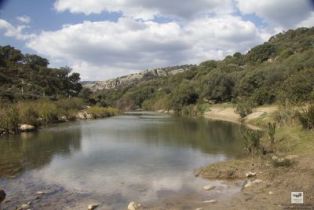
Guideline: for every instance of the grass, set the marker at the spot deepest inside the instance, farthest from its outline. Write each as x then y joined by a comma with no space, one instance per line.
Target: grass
43,112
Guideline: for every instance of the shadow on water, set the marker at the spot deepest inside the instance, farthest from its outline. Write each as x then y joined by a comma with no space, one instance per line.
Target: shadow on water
35,150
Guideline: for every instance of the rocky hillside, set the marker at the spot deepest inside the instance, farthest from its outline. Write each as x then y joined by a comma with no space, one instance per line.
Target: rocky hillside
131,79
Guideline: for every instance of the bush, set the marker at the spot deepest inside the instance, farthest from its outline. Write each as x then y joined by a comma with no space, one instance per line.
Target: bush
100,112
252,140
306,117
244,108
9,119
47,111
27,113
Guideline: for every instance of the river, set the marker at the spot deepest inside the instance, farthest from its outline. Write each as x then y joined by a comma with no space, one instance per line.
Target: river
143,157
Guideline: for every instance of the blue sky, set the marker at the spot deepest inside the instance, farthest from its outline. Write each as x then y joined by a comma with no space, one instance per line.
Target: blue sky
103,39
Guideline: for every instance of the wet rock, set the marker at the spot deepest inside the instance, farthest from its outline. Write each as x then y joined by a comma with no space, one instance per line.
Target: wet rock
26,128
210,201
249,183
250,174
92,206
209,187
24,206
134,206
2,195
40,193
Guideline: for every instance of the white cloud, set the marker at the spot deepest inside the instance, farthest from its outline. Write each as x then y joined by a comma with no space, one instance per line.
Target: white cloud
24,19
147,9
14,31
105,49
286,13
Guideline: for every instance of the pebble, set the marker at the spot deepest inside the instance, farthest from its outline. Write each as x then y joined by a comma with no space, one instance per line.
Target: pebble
210,201
134,206
92,206
209,187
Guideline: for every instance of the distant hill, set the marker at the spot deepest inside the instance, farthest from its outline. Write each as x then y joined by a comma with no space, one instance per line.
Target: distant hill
132,79
280,70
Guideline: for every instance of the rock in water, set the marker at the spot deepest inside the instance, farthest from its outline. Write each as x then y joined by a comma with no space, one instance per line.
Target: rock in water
134,206
92,206
209,187
2,195
27,128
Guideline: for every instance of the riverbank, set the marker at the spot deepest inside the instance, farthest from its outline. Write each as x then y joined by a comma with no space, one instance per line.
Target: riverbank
28,116
271,184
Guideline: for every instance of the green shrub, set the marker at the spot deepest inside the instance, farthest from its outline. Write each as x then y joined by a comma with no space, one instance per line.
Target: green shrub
271,132
9,118
244,108
27,113
47,111
251,140
306,117
100,112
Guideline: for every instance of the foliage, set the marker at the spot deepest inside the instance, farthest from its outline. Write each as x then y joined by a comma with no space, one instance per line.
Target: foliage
244,108
99,112
277,71
271,131
29,77
9,119
306,117
251,140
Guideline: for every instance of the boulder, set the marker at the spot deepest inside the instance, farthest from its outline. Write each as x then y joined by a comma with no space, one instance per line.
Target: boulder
26,128
2,195
92,206
250,174
209,187
134,206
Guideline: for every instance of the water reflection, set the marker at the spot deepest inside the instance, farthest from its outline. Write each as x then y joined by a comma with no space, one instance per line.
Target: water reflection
132,157
35,150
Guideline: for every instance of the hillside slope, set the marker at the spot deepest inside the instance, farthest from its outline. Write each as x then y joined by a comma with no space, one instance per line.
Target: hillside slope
279,70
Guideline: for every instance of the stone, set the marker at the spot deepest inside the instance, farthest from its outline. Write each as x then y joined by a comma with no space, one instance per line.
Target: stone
209,187
210,201
26,128
199,209
40,193
24,206
257,181
270,193
2,196
92,206
291,157
134,206
250,174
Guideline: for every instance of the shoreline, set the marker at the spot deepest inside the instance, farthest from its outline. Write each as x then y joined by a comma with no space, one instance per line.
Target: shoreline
270,186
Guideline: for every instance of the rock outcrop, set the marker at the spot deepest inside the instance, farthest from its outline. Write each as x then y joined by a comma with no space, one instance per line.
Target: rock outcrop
131,79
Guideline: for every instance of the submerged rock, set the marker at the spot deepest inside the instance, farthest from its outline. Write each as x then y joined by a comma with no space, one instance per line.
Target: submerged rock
2,195
134,206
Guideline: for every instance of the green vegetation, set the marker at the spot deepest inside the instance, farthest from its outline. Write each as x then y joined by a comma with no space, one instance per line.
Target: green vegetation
278,71
100,112
28,77
34,94
306,117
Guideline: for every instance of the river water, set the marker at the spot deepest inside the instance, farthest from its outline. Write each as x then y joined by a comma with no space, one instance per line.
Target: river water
143,157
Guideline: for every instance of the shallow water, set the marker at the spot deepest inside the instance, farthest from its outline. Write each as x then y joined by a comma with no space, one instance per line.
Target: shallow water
148,158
